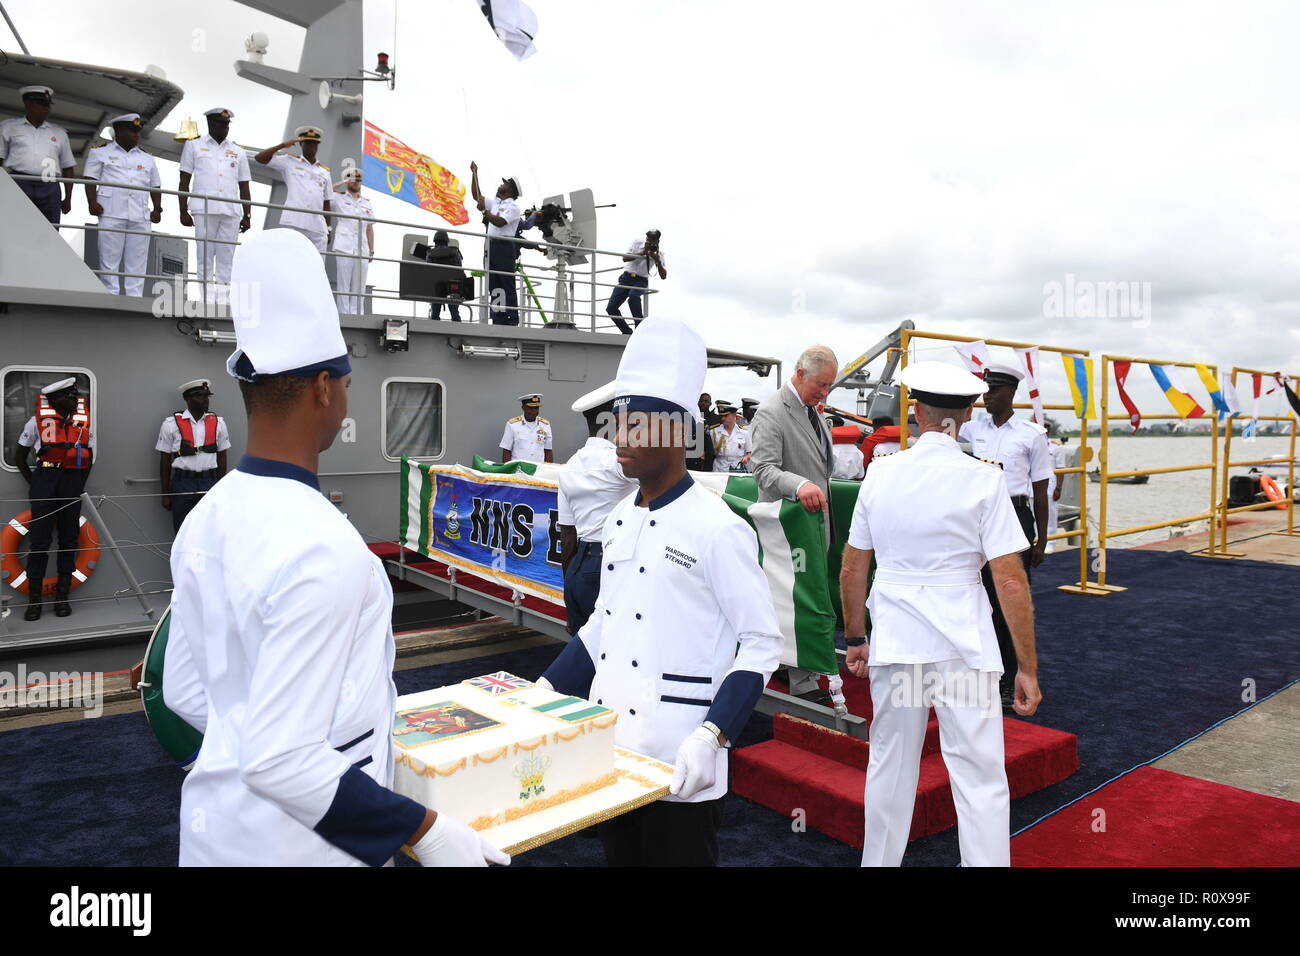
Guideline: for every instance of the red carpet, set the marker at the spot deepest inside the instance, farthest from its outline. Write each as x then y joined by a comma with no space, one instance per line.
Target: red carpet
823,772
1158,818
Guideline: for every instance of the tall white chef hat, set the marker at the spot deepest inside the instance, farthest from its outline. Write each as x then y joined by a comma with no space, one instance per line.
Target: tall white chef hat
941,385
286,322
662,369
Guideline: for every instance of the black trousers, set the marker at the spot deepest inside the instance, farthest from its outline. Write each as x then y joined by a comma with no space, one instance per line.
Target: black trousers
54,508
628,285
46,198
1005,645
582,584
186,488
501,282
664,834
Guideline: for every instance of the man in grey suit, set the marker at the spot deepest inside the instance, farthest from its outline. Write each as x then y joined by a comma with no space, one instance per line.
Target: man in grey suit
792,456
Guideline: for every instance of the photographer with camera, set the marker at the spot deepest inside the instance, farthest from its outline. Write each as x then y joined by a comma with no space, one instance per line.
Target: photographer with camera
450,281
636,276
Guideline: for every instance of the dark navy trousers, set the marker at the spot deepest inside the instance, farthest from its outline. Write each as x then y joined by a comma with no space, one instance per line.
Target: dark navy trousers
54,508
582,584
185,490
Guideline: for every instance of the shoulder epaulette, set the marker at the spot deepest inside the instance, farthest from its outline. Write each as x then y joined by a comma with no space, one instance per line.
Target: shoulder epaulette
542,420
517,418
989,461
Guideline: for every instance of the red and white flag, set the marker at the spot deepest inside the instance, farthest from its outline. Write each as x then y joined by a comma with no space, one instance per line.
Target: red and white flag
1121,377
1029,359
975,355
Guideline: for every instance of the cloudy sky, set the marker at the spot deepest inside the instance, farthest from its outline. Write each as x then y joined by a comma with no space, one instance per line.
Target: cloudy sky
823,170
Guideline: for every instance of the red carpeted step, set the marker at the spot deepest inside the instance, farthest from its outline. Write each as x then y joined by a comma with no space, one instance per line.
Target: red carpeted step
1155,817
822,772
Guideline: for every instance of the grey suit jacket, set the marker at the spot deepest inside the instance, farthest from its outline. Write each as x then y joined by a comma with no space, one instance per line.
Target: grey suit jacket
786,450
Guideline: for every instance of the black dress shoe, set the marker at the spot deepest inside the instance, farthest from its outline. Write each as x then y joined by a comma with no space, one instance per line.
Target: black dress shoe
33,612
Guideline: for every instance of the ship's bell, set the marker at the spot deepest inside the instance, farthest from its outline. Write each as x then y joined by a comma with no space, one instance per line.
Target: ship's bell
189,130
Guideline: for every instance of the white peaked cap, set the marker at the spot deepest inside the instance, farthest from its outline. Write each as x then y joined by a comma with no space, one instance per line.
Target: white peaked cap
942,379
1004,368
664,361
283,309
56,387
595,398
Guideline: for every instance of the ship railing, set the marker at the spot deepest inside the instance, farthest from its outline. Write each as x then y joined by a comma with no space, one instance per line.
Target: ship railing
548,294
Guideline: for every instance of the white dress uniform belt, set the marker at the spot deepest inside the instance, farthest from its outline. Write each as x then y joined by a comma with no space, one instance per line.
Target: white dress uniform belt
958,578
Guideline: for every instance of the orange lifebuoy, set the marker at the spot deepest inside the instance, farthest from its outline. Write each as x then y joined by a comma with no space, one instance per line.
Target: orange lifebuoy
15,575
1272,492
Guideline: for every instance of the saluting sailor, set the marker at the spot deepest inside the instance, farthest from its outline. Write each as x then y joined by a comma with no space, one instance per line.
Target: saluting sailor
1020,447
932,517
192,448
215,165
60,437
528,436
307,184
31,146
281,643
683,635
124,216
732,444
591,484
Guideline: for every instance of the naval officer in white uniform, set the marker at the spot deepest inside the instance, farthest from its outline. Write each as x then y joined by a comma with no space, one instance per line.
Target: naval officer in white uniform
281,647
527,437
215,165
683,636
307,184
932,516
124,215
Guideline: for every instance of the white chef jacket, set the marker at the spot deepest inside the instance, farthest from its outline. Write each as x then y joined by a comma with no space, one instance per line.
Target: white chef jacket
307,185
847,462
111,163
281,653
508,210
169,440
30,437
24,148
683,605
927,603
216,169
591,484
1018,445
641,266
527,441
350,234
729,448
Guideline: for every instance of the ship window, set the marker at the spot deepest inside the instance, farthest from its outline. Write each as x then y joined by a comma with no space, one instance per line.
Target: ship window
413,424
20,387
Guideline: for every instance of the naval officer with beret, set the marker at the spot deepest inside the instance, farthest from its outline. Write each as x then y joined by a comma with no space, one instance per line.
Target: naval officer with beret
124,216
932,517
307,184
192,446
683,636
528,436
281,645
32,146
1020,447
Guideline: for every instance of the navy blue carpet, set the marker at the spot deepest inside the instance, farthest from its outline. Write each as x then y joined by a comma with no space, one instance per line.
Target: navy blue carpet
1133,675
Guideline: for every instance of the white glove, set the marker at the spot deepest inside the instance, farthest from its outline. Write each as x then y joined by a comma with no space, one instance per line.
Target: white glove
544,684
452,842
697,764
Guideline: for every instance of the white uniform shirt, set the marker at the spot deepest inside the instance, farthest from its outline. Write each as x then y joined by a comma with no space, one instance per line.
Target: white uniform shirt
307,185
641,265
508,210
169,440
25,148
927,603
281,654
216,169
527,441
30,436
847,462
350,234
683,603
111,163
730,447
1018,445
591,484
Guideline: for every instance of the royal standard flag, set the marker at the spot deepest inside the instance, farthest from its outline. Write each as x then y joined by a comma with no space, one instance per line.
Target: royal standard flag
393,167
1078,373
1216,394
1183,404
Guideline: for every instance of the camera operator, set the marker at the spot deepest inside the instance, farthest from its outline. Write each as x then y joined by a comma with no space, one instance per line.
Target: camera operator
636,276
449,283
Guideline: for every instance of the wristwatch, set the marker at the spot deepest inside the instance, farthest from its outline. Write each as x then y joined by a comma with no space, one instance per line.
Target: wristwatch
854,641
714,729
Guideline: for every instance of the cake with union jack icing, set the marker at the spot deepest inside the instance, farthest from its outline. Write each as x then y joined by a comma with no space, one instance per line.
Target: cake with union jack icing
495,748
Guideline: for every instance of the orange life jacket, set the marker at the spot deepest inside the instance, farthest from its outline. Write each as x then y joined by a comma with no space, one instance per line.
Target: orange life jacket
186,427
64,442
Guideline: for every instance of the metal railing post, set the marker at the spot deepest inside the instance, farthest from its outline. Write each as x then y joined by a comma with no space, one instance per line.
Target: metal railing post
93,513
